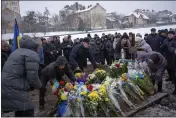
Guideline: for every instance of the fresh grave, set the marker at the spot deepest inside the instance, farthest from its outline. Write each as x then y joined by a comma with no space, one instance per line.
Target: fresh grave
115,92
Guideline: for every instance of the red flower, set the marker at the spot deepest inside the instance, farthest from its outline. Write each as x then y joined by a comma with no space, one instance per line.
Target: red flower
118,65
62,83
56,93
90,87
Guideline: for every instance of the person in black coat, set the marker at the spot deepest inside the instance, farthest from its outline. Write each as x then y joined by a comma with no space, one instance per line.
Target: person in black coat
99,51
105,54
67,46
79,55
110,51
19,76
76,42
172,49
49,51
57,45
55,70
154,40
168,55
5,52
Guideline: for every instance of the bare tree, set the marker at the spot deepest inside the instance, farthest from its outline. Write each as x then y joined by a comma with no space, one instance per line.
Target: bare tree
39,16
46,15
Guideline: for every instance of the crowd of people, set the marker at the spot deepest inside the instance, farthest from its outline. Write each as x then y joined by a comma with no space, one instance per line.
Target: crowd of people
39,61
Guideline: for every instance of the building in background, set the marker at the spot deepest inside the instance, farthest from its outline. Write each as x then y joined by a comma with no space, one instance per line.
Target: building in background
92,17
136,19
10,10
12,5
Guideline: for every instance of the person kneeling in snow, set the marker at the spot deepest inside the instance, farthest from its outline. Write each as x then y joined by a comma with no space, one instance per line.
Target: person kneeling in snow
157,66
55,70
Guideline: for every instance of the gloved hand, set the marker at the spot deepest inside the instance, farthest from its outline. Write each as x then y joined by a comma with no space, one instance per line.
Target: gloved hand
175,51
51,53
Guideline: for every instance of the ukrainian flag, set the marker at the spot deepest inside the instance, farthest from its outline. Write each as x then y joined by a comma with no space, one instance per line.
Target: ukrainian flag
16,39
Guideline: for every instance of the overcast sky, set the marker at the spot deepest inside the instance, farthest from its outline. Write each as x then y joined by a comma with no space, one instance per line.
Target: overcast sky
124,7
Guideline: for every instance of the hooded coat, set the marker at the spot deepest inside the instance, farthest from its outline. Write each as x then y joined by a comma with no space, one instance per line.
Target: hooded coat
158,68
19,74
141,43
51,71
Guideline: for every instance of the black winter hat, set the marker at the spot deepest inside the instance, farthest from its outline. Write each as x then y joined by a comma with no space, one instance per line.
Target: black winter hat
153,30
125,35
171,32
86,40
61,61
154,59
162,31
146,34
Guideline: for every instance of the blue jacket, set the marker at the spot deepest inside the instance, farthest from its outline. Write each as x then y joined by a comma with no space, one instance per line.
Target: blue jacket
41,55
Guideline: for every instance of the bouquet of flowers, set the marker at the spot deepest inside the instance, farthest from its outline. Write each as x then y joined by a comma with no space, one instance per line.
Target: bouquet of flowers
117,69
105,104
141,79
80,76
97,76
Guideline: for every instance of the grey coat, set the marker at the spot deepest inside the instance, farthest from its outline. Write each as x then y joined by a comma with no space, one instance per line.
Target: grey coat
146,50
19,75
159,68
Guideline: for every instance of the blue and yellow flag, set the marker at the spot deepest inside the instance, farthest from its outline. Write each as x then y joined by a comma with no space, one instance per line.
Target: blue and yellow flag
16,39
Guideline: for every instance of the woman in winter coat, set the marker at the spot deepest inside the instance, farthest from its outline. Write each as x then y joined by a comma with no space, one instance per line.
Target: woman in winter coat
157,65
145,48
19,76
125,44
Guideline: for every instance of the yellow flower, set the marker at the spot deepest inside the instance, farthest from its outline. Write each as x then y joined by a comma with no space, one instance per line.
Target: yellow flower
75,87
124,77
93,96
83,93
106,99
79,75
63,96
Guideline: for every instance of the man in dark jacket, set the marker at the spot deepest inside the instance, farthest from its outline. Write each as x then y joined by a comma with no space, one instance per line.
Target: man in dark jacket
110,51
57,45
172,49
67,46
105,54
5,52
154,40
79,55
55,70
99,51
157,65
19,76
49,51
168,55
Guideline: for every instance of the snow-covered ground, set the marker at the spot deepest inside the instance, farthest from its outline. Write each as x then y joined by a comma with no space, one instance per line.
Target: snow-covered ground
75,34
